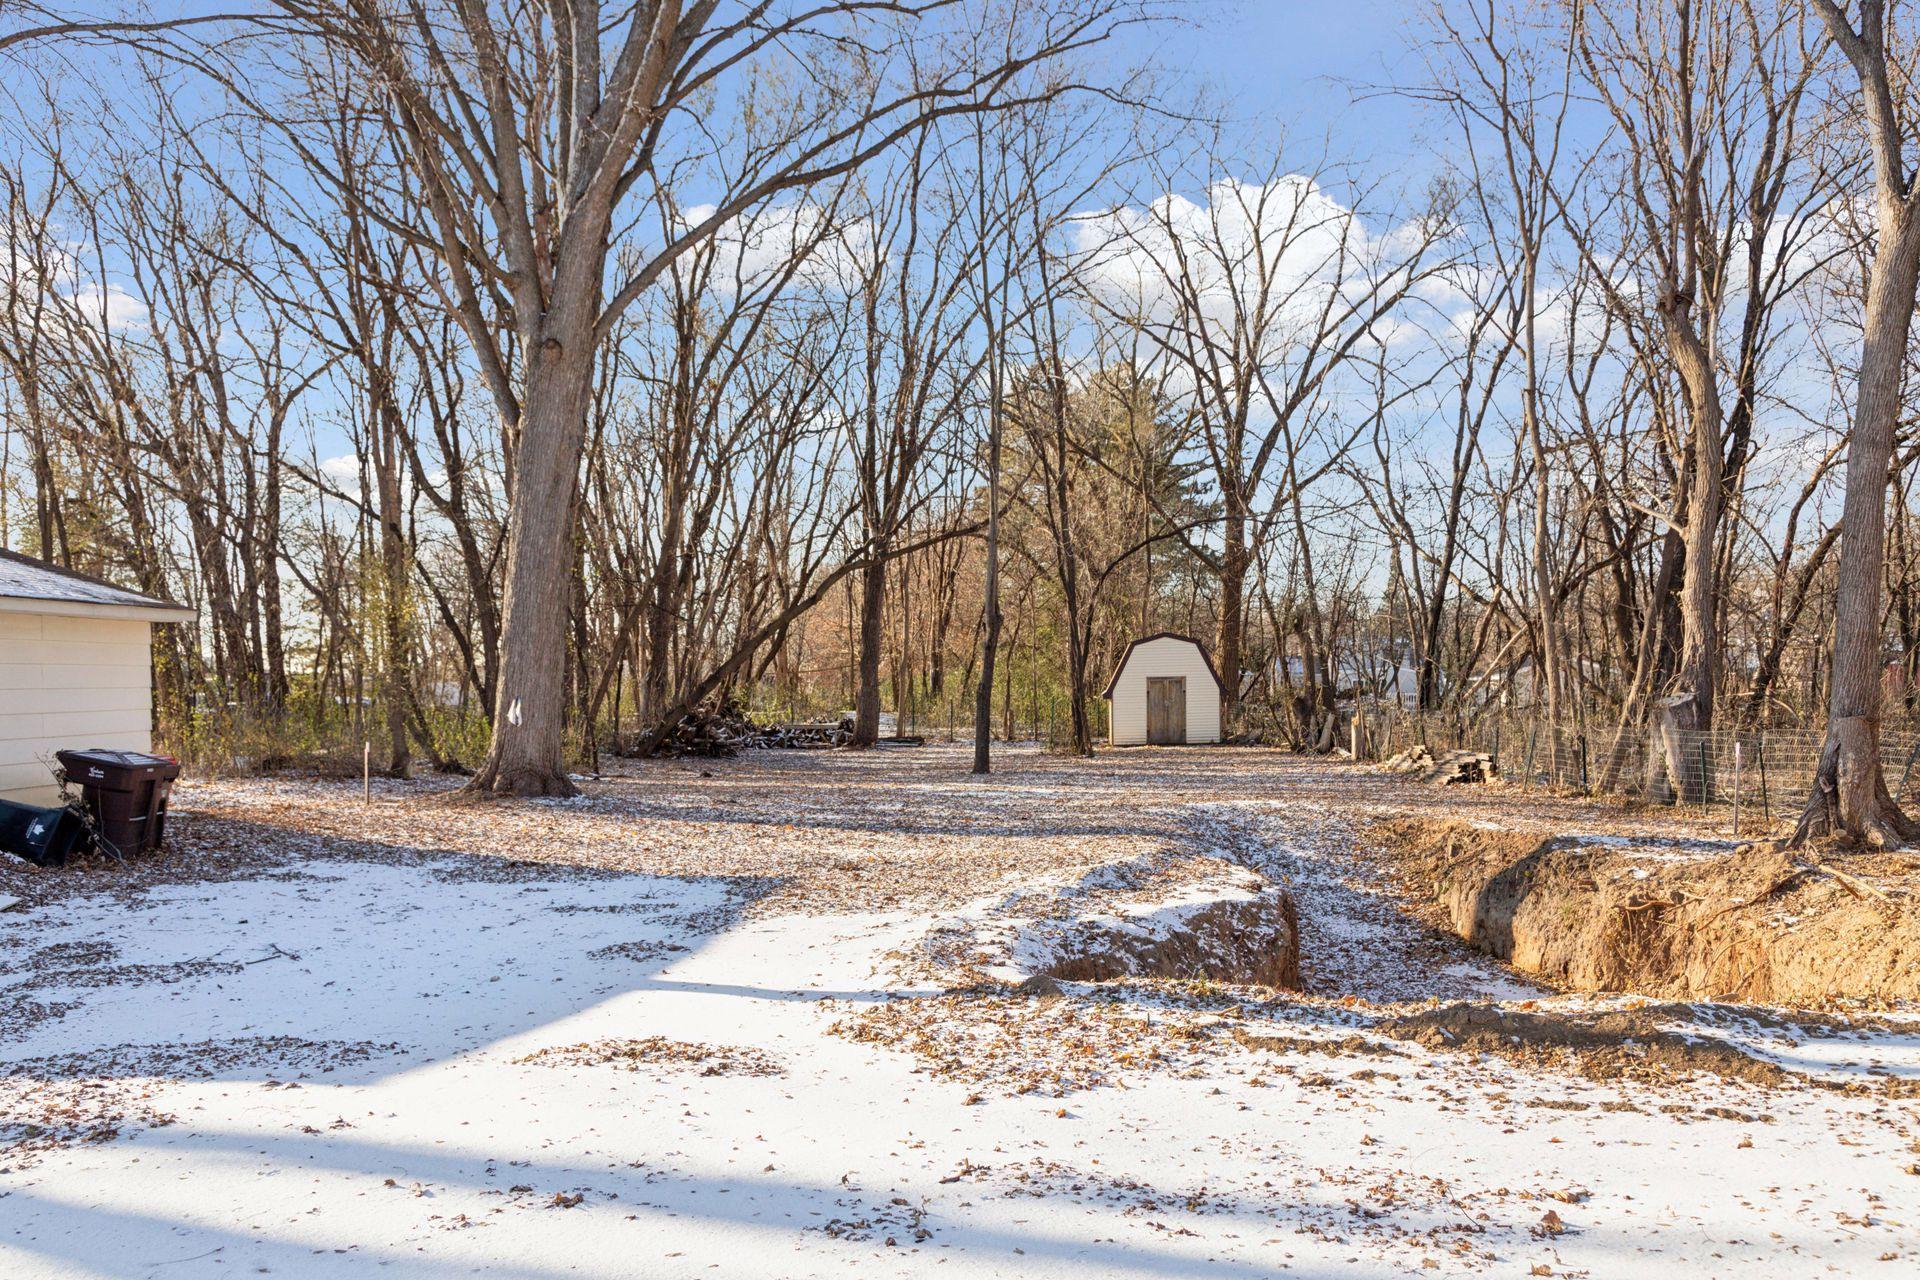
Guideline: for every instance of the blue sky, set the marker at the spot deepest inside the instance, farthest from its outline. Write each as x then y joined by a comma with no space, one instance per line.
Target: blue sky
1271,63
1293,60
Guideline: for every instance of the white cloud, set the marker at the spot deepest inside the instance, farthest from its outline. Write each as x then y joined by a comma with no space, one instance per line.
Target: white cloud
341,469
1274,266
37,270
1272,257
119,309
752,249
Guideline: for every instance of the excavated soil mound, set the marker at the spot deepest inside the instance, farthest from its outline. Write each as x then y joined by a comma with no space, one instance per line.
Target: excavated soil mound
1751,924
1254,940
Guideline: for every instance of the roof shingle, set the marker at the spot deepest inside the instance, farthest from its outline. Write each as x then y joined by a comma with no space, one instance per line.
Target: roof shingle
24,578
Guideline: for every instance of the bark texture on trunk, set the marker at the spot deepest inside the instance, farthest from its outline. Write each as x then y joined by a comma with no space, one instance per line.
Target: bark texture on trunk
397,684
866,699
1850,796
1699,641
528,752
1230,641
990,639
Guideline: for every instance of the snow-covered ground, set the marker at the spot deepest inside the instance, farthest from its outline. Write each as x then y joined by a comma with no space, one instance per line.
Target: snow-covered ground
734,1025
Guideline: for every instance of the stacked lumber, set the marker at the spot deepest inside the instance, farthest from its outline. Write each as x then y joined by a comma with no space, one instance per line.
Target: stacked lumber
1415,759
1462,767
1447,769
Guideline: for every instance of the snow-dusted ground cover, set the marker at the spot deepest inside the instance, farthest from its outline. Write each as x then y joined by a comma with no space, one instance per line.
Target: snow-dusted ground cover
762,1023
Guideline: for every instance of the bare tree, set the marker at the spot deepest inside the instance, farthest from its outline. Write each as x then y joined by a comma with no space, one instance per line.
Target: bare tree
1706,98
1850,794
1260,300
528,133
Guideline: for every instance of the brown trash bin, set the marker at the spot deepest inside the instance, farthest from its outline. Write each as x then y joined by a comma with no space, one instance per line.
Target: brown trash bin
126,794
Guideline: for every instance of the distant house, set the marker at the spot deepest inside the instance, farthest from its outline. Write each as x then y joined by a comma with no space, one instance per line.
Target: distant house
1393,682
75,670
1382,677
1165,691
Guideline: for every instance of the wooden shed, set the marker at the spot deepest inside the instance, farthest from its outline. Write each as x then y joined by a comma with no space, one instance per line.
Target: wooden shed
1165,691
76,670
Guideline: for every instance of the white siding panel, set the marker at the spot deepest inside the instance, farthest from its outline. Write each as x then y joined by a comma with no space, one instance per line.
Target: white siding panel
61,701
1165,656
90,651
68,682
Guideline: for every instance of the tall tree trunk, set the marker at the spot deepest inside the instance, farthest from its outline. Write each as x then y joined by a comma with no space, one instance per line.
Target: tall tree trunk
990,634
1231,637
527,756
990,605
866,697
1081,724
1548,679
397,687
1697,676
1433,635
1850,794
270,601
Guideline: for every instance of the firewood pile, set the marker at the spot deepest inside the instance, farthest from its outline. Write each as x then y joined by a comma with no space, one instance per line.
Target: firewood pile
723,731
802,735
1448,769
719,732
711,732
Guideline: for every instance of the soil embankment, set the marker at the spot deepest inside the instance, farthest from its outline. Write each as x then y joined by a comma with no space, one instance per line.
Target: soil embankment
1689,921
1252,939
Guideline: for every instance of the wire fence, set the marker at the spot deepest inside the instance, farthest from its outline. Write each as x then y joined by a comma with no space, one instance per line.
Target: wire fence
1752,777
1049,722
1755,776
1041,717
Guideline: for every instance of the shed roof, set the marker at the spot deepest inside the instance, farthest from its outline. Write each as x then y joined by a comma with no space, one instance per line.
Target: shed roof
1163,635
33,586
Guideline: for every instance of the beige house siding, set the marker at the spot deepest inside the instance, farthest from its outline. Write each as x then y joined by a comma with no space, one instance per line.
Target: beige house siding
68,682
1164,656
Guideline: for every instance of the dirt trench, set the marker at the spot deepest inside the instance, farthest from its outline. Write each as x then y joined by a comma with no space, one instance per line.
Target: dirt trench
1252,940
1750,924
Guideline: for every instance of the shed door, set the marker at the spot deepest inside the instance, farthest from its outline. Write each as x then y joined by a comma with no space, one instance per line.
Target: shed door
1166,710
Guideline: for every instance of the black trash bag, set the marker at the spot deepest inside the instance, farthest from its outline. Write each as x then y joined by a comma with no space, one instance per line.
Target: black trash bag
44,837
